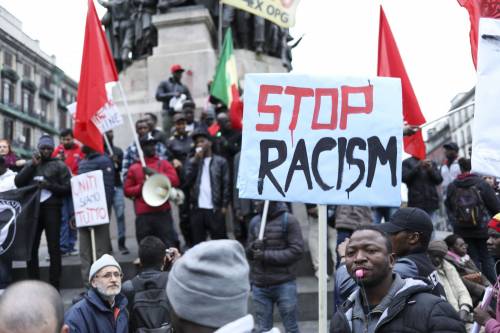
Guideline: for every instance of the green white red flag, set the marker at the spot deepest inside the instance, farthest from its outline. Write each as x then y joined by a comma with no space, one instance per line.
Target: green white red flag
225,83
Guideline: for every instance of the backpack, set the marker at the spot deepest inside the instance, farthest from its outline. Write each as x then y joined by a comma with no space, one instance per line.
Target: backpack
469,208
149,311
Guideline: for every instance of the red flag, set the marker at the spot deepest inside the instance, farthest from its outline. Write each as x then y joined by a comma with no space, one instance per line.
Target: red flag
97,69
478,9
390,64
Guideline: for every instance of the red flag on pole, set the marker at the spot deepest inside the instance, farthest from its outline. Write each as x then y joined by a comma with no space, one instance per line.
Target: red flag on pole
390,64
97,69
478,9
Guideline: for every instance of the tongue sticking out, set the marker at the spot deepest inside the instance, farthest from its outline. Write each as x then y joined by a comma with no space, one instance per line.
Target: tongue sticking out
360,273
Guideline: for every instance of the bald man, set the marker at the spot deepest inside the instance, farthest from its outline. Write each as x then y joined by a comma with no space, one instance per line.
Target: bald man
31,307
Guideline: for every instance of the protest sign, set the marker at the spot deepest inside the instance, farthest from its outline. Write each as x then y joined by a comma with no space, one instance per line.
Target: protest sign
280,12
107,118
89,199
321,140
485,128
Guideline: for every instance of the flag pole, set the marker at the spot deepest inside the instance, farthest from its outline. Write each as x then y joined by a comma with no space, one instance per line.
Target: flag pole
92,242
219,31
322,278
263,220
129,116
108,144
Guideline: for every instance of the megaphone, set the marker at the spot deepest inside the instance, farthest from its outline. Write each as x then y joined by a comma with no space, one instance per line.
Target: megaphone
156,190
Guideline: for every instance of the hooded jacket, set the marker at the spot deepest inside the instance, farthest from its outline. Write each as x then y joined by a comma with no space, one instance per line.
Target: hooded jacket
282,248
491,205
92,315
422,191
412,309
456,292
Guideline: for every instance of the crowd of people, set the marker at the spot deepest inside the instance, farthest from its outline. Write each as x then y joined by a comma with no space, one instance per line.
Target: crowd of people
388,276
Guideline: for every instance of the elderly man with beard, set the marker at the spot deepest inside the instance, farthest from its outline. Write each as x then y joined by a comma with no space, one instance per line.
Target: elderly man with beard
385,302
103,309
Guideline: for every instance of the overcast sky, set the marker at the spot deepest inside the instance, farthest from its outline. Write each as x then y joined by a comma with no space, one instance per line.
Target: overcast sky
340,39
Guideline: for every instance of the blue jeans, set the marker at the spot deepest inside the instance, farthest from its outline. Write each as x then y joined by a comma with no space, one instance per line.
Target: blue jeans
119,208
383,212
68,235
285,296
5,272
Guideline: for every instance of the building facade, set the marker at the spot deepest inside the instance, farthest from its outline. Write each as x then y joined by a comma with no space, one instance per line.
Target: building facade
34,92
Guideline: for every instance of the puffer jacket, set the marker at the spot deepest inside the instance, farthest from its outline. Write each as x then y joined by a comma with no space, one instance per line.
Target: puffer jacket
96,161
92,315
422,185
456,293
413,309
54,171
491,205
219,179
282,248
351,217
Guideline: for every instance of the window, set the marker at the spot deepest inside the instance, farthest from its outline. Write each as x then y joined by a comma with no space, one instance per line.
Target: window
7,59
464,142
62,119
27,137
44,106
27,71
27,101
8,92
469,134
46,83
8,129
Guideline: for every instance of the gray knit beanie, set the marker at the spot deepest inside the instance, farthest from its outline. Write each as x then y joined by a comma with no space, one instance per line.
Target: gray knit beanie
46,140
438,247
209,284
104,261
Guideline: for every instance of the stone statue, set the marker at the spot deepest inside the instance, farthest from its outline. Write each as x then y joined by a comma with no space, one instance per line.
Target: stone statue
165,5
118,30
242,23
145,34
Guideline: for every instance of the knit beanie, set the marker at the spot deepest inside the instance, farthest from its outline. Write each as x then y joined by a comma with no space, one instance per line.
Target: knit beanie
46,140
438,247
209,284
104,261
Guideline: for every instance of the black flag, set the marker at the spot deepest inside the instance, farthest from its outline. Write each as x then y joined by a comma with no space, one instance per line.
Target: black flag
18,221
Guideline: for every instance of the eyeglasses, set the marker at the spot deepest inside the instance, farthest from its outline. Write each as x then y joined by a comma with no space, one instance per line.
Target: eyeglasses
110,274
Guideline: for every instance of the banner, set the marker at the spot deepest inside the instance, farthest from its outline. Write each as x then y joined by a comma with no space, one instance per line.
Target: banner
486,125
321,140
18,222
280,12
107,118
89,199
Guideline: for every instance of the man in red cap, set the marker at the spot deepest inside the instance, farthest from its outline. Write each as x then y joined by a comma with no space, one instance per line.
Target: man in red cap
171,93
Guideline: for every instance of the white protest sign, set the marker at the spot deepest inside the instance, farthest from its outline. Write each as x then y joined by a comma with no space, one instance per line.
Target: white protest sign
486,124
323,140
107,118
89,199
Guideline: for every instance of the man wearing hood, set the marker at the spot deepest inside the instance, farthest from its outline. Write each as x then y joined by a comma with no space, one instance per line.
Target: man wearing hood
470,193
385,302
272,262
53,177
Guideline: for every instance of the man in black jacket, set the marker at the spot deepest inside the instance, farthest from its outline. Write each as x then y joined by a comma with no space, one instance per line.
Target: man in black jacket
470,192
169,89
422,178
53,177
385,302
207,175
272,267
94,161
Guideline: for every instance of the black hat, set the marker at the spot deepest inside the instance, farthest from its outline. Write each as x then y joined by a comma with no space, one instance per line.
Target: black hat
451,146
200,133
179,116
189,104
409,219
147,138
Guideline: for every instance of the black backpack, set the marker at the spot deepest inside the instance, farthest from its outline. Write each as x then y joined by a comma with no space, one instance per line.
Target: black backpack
149,310
469,209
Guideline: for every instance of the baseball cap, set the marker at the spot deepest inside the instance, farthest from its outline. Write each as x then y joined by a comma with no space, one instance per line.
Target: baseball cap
494,223
198,133
409,219
179,116
451,146
176,68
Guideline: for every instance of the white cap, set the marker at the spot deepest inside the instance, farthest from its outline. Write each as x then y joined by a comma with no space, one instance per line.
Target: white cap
104,261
